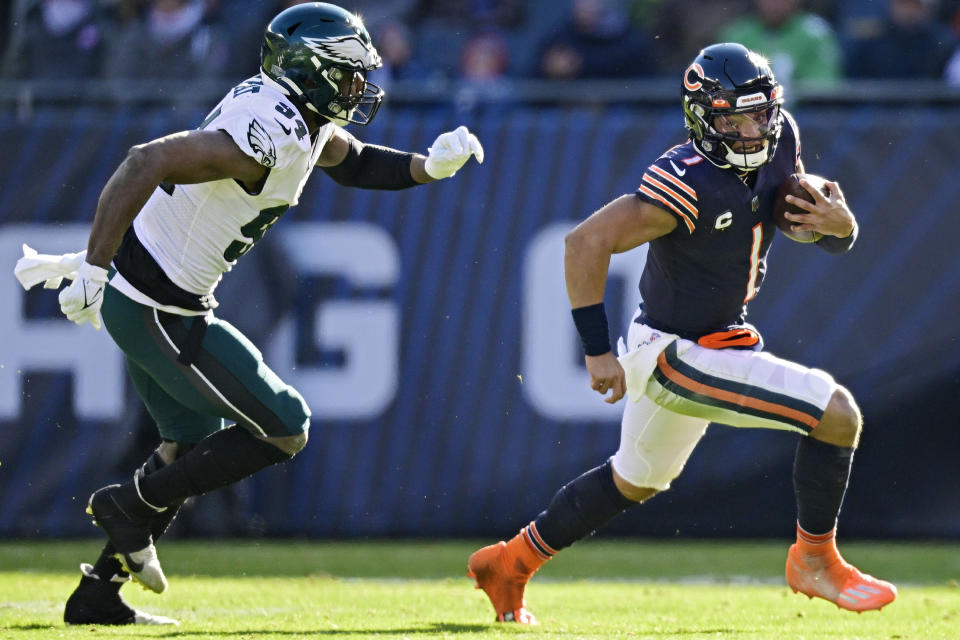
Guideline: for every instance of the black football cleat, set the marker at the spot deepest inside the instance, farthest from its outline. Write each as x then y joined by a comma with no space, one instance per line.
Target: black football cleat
97,601
126,520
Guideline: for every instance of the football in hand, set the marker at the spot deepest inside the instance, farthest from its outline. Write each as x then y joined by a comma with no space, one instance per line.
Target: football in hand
791,186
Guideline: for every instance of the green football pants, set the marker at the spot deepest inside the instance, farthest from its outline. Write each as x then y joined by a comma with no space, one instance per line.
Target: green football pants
196,372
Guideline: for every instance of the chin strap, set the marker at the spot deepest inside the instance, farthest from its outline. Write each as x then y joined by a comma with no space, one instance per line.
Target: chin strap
726,162
763,156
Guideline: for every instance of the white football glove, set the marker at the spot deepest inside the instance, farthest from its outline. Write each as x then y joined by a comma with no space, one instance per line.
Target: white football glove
450,151
81,301
34,268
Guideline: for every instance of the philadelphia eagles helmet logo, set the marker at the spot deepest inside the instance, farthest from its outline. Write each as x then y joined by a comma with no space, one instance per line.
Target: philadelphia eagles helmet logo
347,50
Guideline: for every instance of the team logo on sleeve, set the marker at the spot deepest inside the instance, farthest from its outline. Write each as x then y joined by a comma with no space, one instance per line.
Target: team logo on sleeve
261,144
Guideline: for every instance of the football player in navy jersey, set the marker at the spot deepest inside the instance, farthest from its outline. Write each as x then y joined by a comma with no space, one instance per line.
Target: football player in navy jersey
705,209
173,218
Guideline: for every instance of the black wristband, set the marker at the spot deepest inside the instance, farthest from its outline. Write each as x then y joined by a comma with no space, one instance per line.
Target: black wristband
833,244
591,324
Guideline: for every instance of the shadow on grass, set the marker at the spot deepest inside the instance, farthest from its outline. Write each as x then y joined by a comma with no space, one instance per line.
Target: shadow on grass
433,627
32,626
430,627
699,633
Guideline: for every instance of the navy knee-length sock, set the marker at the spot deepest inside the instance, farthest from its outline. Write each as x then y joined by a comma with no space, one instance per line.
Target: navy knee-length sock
820,475
578,509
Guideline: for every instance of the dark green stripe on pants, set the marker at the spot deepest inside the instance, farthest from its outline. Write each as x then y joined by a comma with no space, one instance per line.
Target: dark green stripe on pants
227,379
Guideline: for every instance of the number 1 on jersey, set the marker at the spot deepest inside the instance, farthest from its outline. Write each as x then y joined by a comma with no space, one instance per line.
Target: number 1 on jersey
754,261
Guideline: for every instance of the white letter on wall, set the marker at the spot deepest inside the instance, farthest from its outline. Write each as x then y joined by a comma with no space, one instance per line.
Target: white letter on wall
54,344
556,381
366,330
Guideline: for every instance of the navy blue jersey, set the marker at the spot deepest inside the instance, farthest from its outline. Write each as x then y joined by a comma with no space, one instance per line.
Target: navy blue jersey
699,277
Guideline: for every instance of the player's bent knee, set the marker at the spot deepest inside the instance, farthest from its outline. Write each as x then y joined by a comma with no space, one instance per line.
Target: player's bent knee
291,419
290,445
167,452
638,477
841,422
631,491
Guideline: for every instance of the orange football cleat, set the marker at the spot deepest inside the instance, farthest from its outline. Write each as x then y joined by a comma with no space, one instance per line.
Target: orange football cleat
503,578
829,577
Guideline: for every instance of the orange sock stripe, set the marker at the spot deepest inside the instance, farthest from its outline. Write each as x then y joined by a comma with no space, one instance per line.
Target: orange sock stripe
525,534
536,537
815,538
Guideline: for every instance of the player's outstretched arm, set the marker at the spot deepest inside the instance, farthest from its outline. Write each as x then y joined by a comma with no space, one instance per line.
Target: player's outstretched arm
352,163
621,225
181,158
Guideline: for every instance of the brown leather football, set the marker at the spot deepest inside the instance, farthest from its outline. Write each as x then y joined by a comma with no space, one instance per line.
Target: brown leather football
791,186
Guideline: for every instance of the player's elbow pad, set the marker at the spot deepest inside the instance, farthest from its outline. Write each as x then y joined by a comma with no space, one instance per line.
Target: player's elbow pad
370,166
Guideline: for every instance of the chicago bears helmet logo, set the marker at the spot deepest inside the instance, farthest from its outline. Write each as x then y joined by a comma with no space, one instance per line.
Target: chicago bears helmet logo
694,83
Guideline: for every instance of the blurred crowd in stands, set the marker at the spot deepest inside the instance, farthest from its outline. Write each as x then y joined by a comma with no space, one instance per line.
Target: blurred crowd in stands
486,41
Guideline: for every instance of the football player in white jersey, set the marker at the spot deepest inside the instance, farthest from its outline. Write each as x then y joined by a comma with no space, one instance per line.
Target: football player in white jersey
177,214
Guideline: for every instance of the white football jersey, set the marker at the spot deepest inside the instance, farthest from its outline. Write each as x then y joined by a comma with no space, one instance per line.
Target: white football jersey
196,232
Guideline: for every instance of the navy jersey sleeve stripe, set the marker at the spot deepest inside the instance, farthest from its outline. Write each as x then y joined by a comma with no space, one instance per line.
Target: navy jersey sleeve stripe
646,192
665,190
677,181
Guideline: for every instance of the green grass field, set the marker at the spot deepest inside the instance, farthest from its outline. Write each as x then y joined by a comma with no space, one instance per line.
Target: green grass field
598,589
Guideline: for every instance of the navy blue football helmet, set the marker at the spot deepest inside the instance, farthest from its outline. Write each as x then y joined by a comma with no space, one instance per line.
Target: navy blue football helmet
731,103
